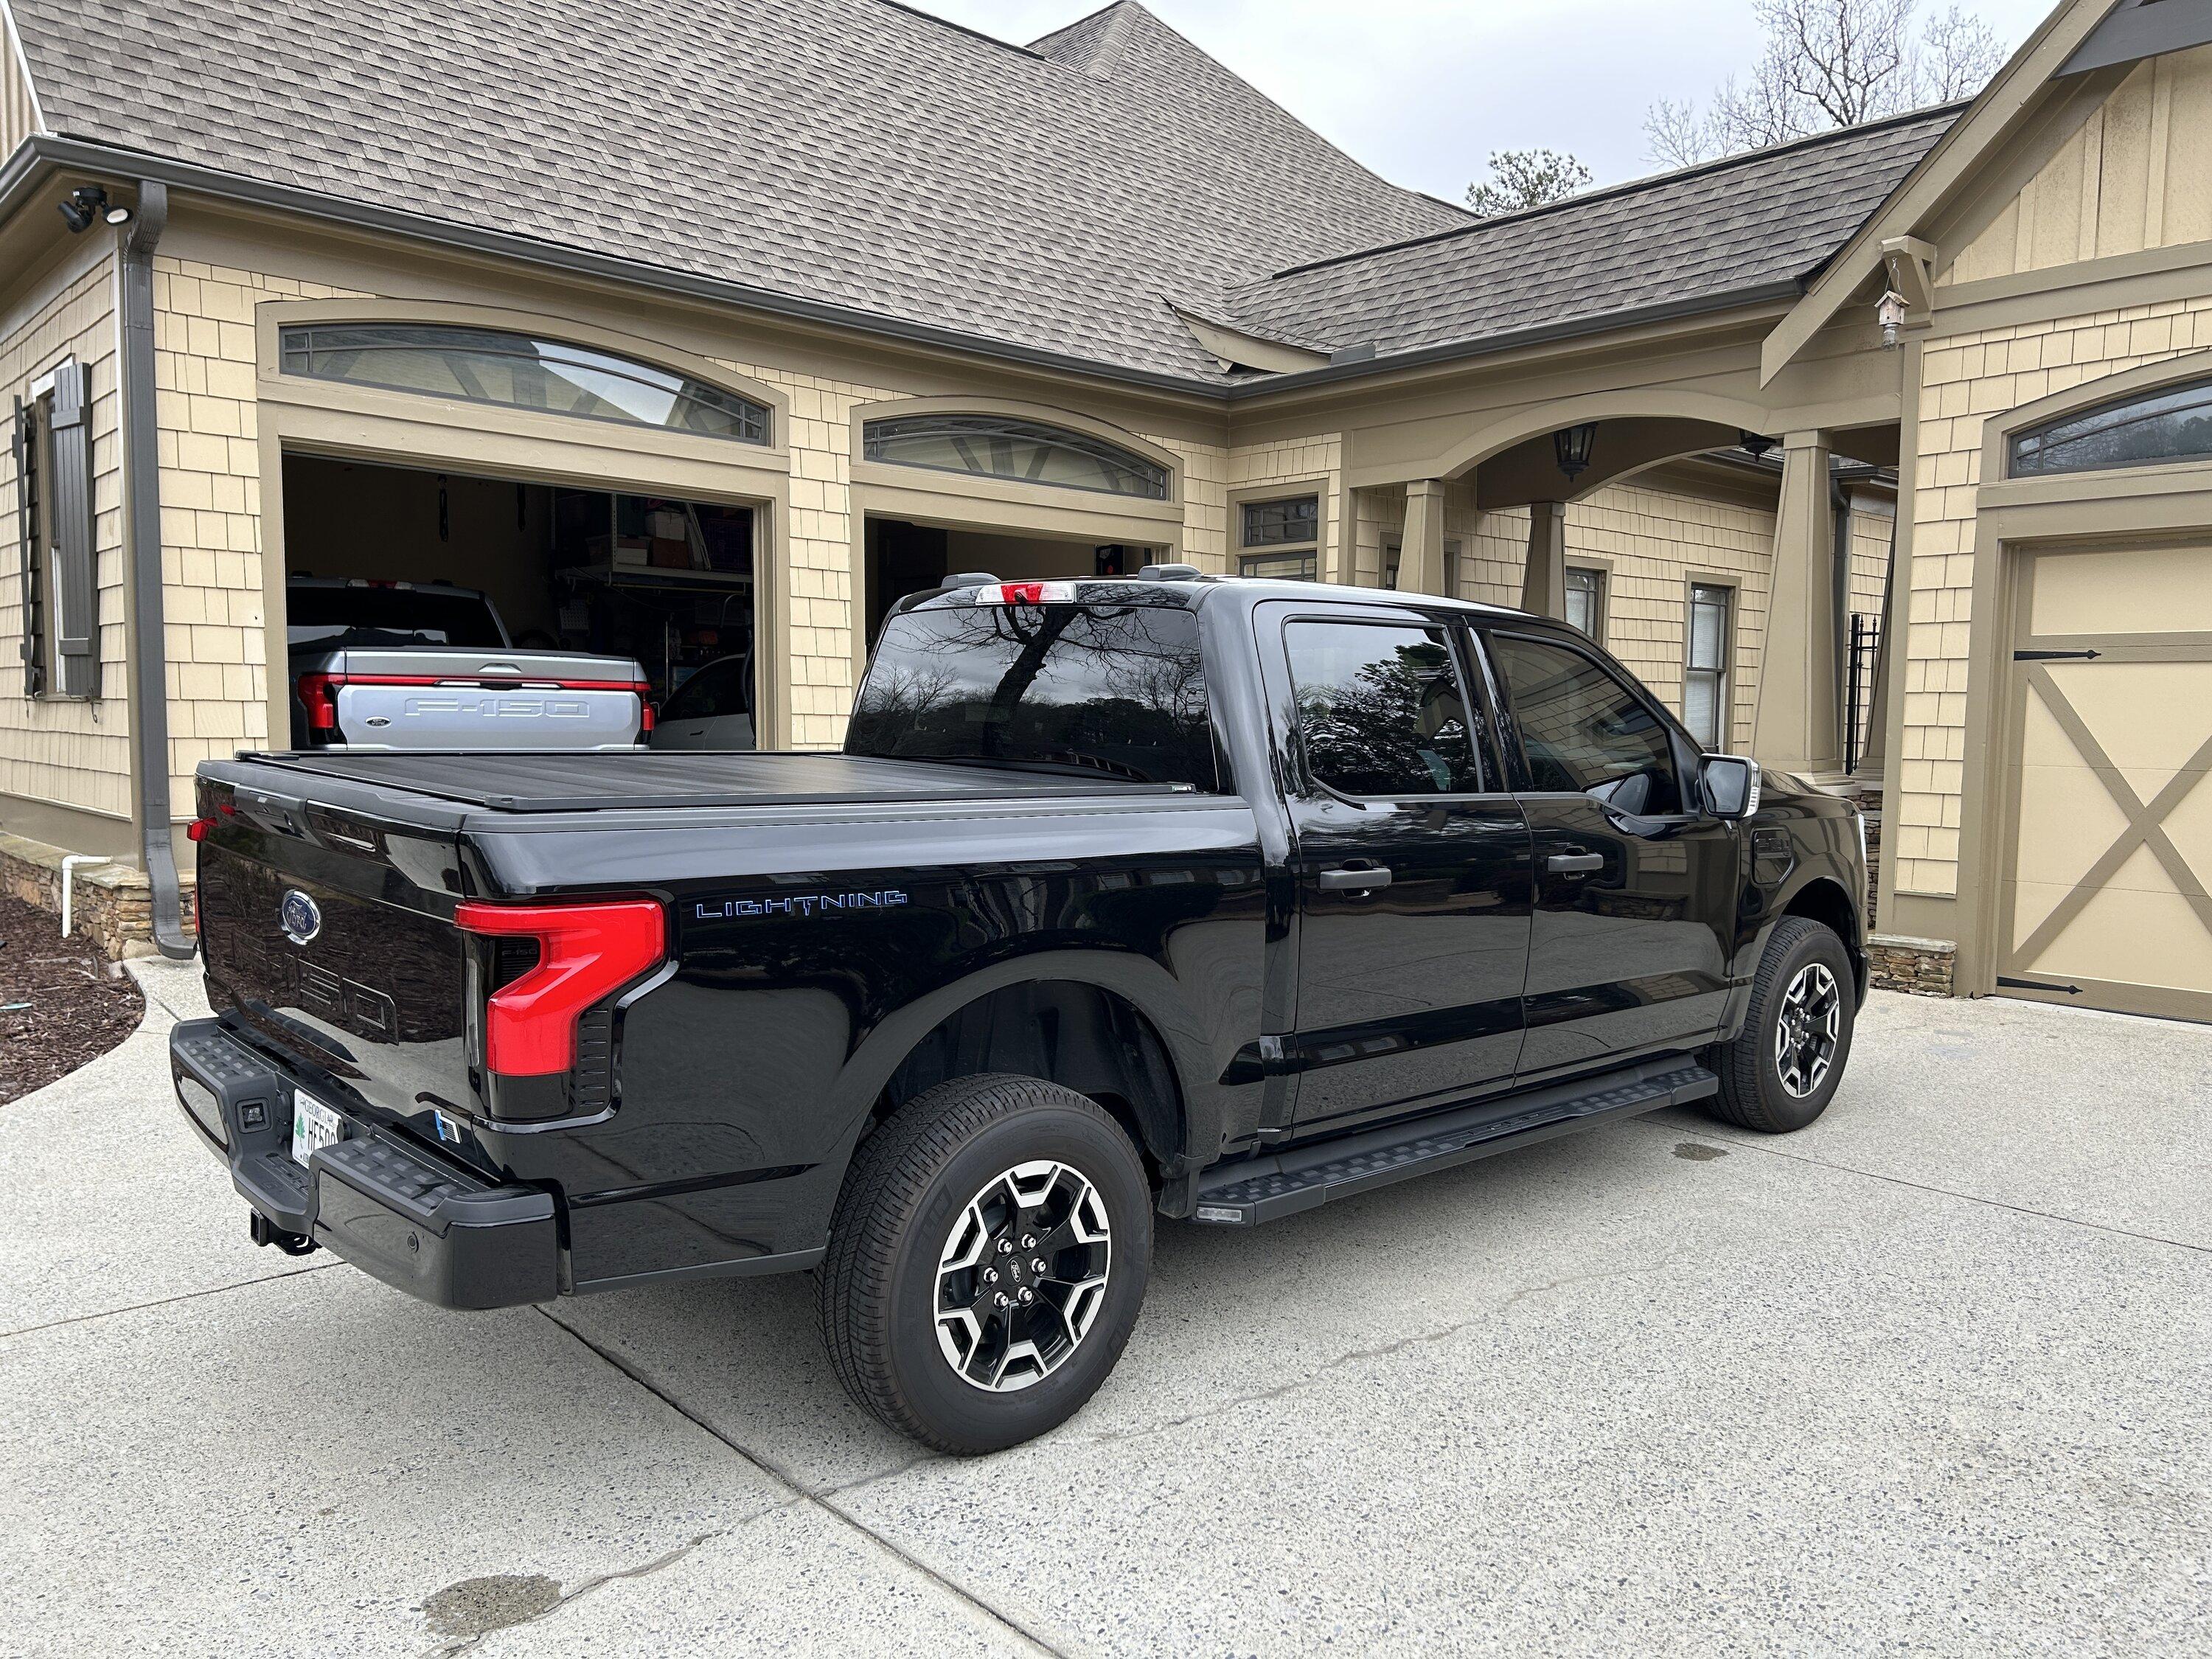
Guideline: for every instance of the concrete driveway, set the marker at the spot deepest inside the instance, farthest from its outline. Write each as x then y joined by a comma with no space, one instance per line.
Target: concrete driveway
1934,1377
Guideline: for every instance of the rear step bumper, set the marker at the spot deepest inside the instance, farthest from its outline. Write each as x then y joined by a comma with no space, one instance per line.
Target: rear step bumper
1253,1190
414,1222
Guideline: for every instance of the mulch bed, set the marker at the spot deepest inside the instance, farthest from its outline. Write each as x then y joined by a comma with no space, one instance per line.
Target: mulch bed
58,1005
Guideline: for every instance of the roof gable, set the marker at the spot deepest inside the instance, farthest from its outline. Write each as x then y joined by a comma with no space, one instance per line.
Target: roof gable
2006,111
2134,174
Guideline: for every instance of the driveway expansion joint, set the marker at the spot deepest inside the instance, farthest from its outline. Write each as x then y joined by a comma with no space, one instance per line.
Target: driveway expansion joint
1759,1145
168,1301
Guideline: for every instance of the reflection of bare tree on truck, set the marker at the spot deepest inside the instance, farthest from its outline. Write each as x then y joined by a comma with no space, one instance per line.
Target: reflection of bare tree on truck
1397,717
1118,690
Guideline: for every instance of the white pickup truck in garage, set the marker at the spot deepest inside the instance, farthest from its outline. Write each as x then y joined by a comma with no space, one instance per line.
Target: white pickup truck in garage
426,665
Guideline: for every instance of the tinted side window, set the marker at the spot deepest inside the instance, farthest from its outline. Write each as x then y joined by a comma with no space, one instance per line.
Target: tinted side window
715,691
1381,709
1116,688
1584,731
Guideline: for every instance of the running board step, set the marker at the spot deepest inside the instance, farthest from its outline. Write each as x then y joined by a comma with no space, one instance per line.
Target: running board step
1255,1189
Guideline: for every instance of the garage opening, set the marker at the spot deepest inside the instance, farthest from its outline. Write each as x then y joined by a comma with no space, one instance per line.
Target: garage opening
669,583
905,557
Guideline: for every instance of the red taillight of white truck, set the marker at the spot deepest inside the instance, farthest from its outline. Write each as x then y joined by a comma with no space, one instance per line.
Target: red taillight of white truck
585,953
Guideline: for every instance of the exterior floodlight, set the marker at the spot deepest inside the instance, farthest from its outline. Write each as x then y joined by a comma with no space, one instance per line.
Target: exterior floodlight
83,208
1572,445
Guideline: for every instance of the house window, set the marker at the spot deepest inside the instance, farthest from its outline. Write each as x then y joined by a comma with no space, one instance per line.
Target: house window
1291,522
1281,567
1586,601
1705,685
517,371
2172,425
1027,451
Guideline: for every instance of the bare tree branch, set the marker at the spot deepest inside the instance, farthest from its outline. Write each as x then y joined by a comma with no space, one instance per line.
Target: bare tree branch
1828,64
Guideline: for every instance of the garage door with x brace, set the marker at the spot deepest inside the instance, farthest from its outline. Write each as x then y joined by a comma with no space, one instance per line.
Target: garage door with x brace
2106,900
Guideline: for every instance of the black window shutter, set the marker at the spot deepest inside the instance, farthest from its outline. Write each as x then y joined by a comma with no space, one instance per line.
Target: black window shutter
75,620
27,483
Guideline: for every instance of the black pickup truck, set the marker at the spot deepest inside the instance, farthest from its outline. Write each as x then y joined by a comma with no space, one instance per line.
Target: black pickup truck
1214,898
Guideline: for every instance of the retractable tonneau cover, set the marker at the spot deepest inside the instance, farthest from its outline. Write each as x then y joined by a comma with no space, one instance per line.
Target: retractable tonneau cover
538,781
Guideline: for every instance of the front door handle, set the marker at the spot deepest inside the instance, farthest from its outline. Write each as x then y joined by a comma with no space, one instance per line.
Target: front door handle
1575,864
1371,879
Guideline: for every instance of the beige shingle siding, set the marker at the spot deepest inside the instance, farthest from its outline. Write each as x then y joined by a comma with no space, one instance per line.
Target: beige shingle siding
1206,529
67,753
209,452
818,610
1655,540
1964,380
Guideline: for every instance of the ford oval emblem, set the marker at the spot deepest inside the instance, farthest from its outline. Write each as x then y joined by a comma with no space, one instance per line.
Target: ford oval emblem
300,916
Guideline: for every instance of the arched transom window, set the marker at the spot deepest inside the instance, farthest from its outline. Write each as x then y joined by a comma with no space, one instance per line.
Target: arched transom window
1002,446
519,371
2152,429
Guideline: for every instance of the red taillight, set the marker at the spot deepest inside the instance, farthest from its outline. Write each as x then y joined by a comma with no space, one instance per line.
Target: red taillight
319,693
646,717
197,830
586,952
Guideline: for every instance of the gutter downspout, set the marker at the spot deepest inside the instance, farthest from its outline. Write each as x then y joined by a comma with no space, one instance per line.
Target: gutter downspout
141,468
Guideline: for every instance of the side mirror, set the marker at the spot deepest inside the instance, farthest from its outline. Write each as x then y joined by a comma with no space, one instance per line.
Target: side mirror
1731,786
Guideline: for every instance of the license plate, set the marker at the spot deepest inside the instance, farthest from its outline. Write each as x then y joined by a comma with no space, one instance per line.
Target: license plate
313,1125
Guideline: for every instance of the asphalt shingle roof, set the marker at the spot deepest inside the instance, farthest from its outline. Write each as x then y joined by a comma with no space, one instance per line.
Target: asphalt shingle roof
856,153
1768,218
845,151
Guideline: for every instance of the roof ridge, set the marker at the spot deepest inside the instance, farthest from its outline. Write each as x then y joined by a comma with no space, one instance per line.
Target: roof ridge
1113,27
1630,187
960,28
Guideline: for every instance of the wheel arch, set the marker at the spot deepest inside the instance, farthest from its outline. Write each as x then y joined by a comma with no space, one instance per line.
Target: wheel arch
1114,1028
1822,898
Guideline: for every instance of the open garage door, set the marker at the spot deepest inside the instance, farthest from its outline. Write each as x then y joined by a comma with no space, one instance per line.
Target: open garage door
2106,904
623,575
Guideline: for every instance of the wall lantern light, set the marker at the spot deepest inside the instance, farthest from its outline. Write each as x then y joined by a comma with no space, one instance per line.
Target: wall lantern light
1572,445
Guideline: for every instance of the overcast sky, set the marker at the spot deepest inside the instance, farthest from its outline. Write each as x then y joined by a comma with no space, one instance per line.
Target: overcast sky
1422,90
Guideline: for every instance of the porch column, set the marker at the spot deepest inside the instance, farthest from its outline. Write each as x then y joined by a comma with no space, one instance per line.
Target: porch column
1544,583
1421,553
1798,722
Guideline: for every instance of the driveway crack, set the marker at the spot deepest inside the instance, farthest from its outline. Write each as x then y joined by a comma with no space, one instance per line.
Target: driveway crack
1384,1350
801,1493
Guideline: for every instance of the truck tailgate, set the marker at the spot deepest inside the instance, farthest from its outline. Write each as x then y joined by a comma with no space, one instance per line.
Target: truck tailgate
466,699
328,931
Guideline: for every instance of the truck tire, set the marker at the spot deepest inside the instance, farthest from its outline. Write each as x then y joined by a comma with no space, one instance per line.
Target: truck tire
987,1261
1782,1072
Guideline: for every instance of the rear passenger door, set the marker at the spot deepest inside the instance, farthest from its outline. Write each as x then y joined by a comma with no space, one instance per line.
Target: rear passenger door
1410,858
1635,889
